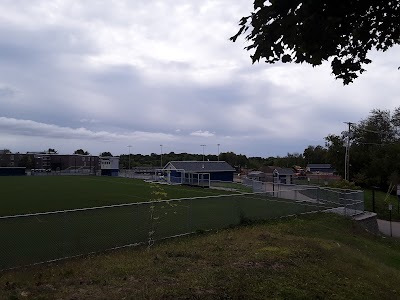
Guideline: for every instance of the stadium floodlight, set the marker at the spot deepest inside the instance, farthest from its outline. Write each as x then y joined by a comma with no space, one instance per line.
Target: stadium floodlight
203,150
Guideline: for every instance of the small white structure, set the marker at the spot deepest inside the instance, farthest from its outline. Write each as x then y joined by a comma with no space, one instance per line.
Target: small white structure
109,165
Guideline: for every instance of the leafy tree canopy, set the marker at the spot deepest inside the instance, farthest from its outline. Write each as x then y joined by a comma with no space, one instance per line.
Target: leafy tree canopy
106,154
374,149
314,31
51,151
81,151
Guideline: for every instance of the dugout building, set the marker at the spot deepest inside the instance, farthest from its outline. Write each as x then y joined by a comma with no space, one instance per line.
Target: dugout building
198,172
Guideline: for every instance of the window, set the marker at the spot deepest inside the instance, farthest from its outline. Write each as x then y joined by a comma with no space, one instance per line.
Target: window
11,157
83,159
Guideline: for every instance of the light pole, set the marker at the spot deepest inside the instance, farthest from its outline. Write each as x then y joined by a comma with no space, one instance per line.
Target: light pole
218,151
347,154
161,156
203,150
129,156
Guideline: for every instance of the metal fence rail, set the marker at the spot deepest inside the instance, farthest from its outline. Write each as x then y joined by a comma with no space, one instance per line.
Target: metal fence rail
350,201
41,237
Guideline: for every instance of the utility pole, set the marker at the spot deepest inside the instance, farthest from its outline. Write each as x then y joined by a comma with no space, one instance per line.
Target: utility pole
203,150
347,153
218,151
129,156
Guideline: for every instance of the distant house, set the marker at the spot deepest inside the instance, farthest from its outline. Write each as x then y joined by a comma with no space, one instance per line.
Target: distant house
109,165
257,175
320,168
279,175
198,171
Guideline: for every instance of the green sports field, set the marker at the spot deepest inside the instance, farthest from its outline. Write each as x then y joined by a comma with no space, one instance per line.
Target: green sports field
43,237
30,194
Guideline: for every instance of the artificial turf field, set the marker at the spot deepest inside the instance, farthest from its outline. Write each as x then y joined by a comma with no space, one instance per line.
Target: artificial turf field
31,194
43,237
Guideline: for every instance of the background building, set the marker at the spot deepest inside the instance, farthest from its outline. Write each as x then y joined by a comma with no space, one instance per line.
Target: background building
177,171
109,166
53,162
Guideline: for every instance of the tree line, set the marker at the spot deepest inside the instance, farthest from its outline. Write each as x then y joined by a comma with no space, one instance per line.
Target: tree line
374,153
374,149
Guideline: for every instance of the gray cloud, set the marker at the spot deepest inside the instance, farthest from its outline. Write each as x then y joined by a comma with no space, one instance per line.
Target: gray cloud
145,73
202,133
7,92
32,128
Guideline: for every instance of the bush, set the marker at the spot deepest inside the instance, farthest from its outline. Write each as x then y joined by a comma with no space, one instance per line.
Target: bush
345,184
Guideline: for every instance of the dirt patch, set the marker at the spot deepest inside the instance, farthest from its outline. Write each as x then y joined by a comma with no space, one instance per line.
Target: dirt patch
276,266
264,236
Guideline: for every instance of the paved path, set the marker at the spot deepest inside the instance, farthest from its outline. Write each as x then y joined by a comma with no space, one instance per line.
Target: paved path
384,227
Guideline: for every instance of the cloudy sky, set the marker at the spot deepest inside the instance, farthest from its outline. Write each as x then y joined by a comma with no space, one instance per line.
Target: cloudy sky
102,75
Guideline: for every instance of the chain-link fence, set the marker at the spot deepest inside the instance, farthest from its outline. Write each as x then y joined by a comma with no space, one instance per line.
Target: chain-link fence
316,179
134,175
229,186
351,202
41,237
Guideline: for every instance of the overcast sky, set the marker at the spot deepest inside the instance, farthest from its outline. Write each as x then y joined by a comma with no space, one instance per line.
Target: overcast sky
102,75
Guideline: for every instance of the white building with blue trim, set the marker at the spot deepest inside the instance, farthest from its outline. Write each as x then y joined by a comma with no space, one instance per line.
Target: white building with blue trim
191,172
109,165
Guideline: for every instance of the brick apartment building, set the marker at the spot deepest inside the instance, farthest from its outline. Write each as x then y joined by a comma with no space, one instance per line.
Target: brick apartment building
41,160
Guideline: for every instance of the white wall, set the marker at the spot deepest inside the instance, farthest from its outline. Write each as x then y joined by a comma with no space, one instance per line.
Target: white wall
107,163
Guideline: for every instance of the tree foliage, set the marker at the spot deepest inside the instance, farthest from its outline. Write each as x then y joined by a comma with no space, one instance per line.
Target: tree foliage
313,31
51,151
375,147
239,161
81,152
315,155
107,153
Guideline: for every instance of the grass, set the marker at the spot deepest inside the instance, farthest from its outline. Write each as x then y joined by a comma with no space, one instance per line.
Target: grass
381,206
31,239
232,185
321,256
31,194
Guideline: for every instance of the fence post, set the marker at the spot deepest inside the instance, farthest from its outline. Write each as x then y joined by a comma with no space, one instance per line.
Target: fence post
338,198
362,200
345,204
273,189
373,199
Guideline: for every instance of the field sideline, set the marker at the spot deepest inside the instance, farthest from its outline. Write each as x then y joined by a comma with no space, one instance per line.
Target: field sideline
30,194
